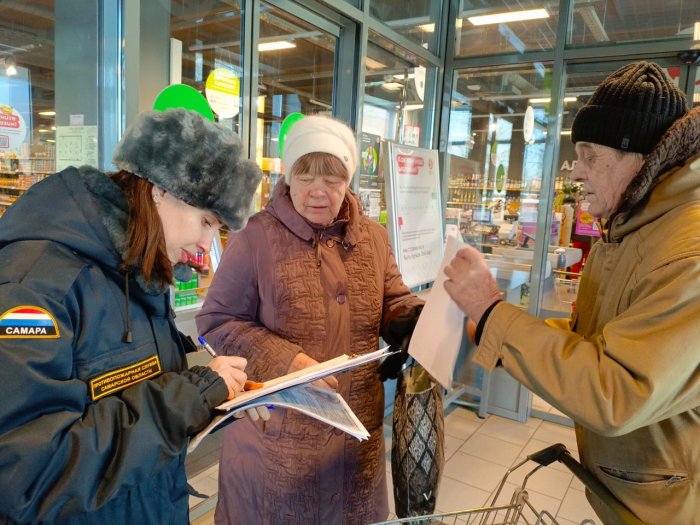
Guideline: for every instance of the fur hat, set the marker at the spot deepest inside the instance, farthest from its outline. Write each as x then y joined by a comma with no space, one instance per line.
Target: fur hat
631,109
196,160
320,134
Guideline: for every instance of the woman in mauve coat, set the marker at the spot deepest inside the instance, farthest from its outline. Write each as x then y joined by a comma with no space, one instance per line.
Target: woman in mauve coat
308,279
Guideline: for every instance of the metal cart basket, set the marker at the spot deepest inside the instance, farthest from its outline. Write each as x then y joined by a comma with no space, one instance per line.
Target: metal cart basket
520,510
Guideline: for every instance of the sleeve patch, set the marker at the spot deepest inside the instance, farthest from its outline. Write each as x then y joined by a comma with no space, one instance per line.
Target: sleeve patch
124,377
28,322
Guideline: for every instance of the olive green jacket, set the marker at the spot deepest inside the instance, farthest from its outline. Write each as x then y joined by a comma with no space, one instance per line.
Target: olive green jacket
626,368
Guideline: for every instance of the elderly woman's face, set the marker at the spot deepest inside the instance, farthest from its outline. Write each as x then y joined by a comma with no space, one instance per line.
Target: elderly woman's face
318,196
187,229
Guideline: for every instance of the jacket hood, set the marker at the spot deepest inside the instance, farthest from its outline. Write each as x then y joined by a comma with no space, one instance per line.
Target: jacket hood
668,178
62,209
345,226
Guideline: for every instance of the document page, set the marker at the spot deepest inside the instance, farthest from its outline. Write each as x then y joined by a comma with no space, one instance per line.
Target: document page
307,375
438,334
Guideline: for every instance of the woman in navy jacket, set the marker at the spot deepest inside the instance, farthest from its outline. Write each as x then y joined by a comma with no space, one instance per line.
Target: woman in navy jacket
97,401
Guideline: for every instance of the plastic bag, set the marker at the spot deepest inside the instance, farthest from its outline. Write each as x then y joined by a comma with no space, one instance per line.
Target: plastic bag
418,443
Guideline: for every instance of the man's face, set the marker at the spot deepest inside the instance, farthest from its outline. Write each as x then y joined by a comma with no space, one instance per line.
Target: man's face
605,174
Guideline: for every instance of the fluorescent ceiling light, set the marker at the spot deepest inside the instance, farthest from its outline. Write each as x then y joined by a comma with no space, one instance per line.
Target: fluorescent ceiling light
696,31
426,28
509,16
47,113
410,107
566,132
275,46
374,64
547,100
401,77
392,86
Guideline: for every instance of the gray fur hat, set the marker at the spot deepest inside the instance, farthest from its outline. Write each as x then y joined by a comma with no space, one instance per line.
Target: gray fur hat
196,160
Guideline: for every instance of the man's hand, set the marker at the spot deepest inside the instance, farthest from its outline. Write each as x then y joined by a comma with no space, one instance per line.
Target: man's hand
301,361
470,283
230,368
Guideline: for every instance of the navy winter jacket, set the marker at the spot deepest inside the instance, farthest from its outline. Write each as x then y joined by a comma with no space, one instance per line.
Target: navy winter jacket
92,429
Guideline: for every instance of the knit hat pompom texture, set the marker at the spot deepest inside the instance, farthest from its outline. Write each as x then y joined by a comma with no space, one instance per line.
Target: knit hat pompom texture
196,160
631,109
320,134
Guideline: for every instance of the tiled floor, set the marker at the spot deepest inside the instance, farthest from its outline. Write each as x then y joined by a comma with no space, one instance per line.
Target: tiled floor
478,453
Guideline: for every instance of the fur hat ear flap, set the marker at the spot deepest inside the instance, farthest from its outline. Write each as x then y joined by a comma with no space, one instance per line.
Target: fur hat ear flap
196,160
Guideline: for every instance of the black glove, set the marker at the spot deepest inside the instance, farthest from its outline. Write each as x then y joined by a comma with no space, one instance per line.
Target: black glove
398,334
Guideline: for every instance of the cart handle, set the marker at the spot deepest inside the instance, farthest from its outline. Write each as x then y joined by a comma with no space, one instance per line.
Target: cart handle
559,452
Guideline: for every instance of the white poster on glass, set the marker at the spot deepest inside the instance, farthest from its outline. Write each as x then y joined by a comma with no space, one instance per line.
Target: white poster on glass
414,211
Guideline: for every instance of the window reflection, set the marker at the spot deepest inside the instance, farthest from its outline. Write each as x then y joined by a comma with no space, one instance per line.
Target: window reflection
417,20
48,66
395,91
496,147
610,22
211,62
296,72
504,27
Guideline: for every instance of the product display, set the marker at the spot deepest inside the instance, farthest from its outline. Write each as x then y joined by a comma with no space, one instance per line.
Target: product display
17,174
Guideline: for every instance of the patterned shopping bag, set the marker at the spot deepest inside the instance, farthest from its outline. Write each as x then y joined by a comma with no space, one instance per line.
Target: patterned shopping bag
418,442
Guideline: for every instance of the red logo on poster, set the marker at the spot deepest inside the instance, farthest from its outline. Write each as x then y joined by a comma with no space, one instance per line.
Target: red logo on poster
408,164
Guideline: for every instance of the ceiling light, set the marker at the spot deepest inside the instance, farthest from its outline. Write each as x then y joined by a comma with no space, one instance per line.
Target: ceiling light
401,77
10,69
47,113
275,46
319,103
509,16
566,132
374,64
392,86
426,28
410,107
547,100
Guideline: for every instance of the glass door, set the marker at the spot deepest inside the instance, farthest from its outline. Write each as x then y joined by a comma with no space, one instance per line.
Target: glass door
296,72
496,164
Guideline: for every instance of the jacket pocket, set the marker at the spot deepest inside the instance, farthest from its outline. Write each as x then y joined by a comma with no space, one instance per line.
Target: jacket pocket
644,477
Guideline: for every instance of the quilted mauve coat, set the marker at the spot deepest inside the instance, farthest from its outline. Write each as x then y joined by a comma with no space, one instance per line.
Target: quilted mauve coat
283,287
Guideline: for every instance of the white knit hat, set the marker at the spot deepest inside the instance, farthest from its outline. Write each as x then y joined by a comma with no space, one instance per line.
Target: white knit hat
324,135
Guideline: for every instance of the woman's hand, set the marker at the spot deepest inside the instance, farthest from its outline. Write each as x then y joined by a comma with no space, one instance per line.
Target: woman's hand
301,361
230,368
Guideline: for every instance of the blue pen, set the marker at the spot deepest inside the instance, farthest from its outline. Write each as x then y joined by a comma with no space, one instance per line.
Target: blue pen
206,346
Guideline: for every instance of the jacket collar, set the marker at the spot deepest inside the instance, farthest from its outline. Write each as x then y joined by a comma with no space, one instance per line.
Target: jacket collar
668,178
114,213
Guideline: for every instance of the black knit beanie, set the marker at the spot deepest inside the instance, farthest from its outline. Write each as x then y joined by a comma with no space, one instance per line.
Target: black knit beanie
631,109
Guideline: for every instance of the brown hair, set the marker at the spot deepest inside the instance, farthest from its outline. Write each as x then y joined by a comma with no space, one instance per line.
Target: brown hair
319,163
145,240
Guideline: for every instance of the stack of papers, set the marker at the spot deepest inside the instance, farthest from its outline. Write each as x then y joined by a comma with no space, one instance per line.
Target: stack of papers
293,391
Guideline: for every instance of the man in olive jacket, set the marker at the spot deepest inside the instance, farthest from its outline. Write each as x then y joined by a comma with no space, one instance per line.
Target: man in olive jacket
625,368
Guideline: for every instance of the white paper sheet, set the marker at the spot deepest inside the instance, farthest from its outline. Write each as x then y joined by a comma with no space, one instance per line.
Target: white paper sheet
438,334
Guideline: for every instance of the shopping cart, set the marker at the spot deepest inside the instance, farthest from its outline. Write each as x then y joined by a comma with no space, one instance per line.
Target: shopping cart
520,510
